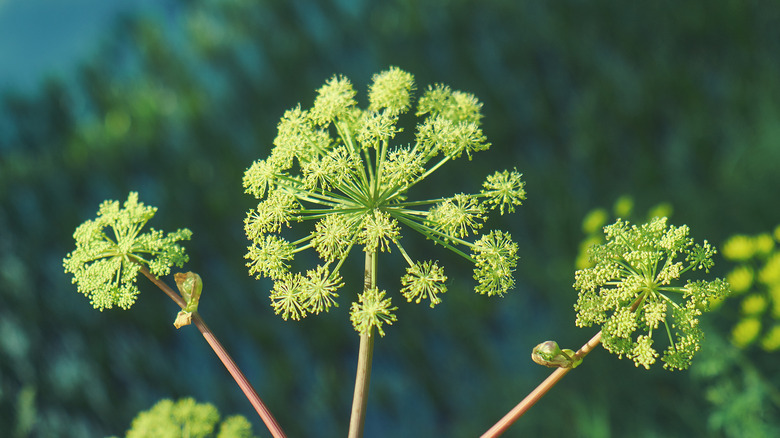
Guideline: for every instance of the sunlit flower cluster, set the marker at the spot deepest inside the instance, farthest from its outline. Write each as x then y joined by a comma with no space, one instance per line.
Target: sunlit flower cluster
634,286
335,164
111,249
186,417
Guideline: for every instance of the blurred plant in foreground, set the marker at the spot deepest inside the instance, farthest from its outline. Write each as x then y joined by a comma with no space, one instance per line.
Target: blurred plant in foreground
187,418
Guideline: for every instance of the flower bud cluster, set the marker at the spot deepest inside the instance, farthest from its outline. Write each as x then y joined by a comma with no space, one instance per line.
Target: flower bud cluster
334,164
634,287
111,249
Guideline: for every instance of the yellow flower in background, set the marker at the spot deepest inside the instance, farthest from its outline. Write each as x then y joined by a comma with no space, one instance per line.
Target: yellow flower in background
739,248
774,294
594,220
745,332
740,279
770,274
754,304
623,206
757,275
771,341
764,243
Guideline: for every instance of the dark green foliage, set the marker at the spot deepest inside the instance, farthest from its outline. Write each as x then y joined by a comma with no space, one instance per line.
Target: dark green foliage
668,102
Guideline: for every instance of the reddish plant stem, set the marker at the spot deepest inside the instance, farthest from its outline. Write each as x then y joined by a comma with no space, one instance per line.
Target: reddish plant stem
502,425
233,369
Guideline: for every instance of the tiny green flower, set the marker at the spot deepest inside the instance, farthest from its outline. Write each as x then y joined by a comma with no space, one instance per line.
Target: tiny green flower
379,229
334,99
457,106
631,286
372,311
458,216
320,286
288,298
504,190
642,352
424,280
111,249
495,258
391,91
268,256
334,165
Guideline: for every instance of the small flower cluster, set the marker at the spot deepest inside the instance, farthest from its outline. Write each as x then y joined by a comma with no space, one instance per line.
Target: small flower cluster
111,249
594,221
630,287
186,417
756,277
334,164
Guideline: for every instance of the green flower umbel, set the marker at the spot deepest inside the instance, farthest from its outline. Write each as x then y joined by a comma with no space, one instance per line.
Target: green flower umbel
187,418
334,164
635,286
111,249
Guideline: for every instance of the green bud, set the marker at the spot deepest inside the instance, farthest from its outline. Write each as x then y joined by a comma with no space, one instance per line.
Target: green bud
550,355
190,286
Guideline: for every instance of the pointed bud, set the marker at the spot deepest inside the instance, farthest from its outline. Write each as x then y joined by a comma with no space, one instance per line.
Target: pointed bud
550,355
190,285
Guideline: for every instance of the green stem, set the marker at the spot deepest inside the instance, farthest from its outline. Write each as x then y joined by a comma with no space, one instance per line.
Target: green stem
223,355
503,424
365,356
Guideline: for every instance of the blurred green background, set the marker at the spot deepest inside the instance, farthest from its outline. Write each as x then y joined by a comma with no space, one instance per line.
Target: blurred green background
674,102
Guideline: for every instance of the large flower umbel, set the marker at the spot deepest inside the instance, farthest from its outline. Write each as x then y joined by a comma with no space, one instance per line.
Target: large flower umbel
334,164
111,249
635,287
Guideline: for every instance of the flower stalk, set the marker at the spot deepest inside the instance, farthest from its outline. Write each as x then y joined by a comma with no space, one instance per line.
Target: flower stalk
224,357
628,289
503,424
365,356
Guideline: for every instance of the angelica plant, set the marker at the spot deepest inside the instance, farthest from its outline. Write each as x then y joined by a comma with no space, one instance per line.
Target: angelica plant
111,250
335,164
635,286
187,418
633,290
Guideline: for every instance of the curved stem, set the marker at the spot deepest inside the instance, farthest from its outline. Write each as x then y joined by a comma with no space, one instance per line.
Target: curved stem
233,369
502,425
365,356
